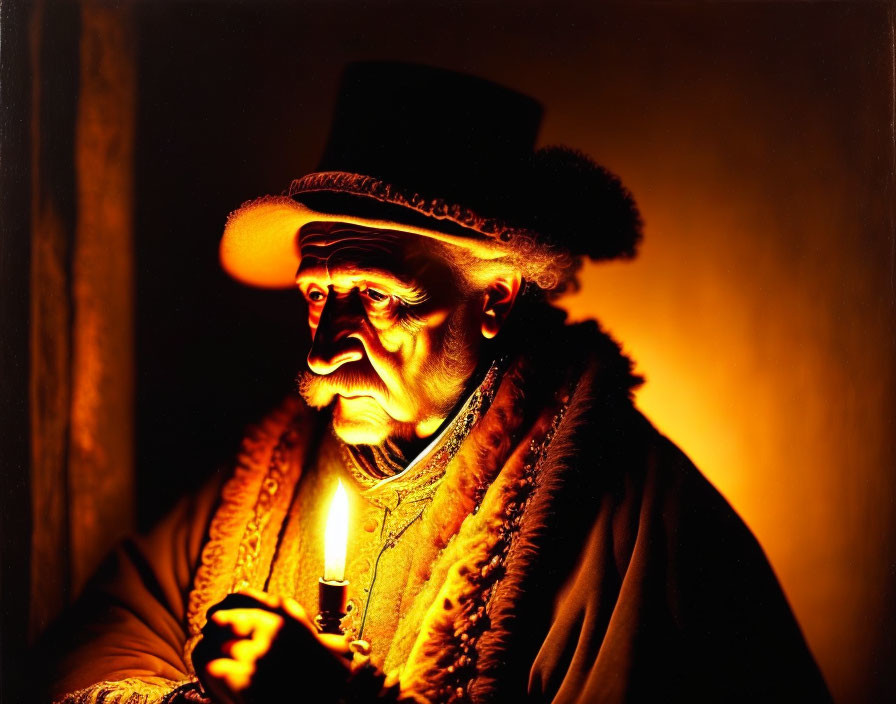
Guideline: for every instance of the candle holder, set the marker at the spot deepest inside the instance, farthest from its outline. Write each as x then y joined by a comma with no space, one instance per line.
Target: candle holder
331,600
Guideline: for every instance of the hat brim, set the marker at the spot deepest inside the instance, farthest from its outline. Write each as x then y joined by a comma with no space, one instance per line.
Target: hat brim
260,245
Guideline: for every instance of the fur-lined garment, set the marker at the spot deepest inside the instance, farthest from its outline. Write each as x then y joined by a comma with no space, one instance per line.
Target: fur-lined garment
562,551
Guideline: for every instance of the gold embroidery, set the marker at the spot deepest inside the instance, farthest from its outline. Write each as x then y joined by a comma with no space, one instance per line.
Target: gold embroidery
230,557
135,690
245,573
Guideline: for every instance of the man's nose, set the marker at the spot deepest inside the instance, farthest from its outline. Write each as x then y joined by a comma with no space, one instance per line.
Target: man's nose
333,343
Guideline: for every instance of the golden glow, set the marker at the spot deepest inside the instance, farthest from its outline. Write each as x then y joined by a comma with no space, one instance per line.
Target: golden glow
336,537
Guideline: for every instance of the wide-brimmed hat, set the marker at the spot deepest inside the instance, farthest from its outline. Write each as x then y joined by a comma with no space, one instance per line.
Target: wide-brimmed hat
447,156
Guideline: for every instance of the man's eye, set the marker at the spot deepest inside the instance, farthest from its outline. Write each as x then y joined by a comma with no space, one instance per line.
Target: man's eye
376,296
315,296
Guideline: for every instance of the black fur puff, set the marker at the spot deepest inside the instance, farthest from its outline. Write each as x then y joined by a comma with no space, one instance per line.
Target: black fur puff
582,206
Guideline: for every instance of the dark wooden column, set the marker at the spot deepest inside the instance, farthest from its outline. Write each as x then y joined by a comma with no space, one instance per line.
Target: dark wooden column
80,383
53,34
101,464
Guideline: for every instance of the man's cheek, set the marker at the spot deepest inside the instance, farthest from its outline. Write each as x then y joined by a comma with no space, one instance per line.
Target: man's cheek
395,339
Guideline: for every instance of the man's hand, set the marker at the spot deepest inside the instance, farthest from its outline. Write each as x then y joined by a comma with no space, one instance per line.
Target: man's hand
259,648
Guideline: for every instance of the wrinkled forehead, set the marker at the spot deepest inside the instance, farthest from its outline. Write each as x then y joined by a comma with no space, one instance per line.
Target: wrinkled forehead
333,244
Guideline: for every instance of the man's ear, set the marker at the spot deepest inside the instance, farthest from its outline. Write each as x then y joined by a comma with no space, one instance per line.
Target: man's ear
498,301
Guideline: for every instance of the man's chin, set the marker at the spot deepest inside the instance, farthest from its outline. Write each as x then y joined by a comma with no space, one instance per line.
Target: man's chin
360,421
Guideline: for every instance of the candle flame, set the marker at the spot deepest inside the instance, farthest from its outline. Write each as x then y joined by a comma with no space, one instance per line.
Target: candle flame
336,537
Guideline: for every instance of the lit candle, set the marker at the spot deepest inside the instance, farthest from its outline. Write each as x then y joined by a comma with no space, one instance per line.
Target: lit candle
332,586
336,537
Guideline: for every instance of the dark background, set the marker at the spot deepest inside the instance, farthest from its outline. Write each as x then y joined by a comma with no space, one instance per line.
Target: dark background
758,140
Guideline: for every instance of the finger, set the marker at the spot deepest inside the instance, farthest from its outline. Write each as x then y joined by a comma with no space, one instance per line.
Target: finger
334,642
267,626
244,619
272,601
259,629
248,650
234,677
235,600
241,622
294,609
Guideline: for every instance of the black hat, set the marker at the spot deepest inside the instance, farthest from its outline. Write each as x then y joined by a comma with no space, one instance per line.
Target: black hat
443,155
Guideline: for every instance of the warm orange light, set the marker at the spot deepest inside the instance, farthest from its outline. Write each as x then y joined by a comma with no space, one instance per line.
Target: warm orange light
336,537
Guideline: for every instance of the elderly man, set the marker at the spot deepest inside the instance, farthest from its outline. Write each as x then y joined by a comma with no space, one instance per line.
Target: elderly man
517,531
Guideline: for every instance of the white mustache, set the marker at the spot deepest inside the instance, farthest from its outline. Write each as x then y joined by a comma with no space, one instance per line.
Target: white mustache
319,390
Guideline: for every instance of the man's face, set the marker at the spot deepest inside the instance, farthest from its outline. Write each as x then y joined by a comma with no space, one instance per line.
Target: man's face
395,332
